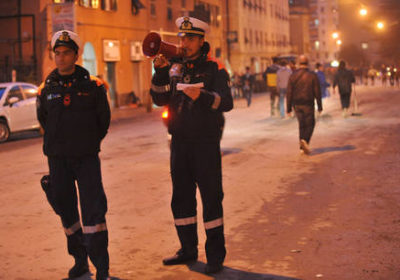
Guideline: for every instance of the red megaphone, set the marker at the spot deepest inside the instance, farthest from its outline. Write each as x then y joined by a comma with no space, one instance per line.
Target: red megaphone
153,45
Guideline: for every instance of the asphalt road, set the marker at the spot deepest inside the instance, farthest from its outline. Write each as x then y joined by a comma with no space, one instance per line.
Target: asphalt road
331,215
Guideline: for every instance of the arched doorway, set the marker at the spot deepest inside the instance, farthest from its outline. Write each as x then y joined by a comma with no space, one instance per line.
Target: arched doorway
89,59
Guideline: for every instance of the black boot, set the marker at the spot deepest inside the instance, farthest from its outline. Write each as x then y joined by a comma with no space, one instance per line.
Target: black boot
213,268
102,276
181,257
81,267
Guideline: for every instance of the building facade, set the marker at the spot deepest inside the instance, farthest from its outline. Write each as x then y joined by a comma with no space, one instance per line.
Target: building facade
256,31
299,27
325,37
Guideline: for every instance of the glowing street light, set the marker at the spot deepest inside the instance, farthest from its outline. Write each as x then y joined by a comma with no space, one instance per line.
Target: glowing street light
335,35
363,12
380,25
339,42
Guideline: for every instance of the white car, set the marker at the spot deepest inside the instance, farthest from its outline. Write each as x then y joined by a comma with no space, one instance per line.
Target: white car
17,108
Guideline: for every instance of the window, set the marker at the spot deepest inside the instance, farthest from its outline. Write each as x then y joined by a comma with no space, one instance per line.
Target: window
2,90
136,6
246,39
90,3
218,52
169,13
109,5
153,8
14,92
29,92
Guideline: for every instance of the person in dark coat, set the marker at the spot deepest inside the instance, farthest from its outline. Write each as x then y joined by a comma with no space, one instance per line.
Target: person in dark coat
195,89
73,110
319,70
247,85
303,89
344,79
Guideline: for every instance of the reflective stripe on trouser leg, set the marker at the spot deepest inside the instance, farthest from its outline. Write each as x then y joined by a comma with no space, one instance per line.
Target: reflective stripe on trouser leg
72,229
209,178
64,197
94,207
214,223
183,203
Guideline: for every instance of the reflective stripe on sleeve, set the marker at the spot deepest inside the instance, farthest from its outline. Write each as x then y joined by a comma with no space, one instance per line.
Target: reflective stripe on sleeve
72,229
214,223
186,221
95,228
217,101
160,89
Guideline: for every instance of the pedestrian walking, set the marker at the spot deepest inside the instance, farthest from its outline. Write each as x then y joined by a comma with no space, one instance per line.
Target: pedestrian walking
282,80
371,74
74,112
344,79
303,89
322,80
248,83
270,78
236,88
196,126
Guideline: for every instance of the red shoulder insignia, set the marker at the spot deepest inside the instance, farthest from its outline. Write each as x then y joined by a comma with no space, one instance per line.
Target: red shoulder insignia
99,81
40,88
219,63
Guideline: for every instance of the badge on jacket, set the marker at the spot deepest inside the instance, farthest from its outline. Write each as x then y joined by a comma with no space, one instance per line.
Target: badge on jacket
67,100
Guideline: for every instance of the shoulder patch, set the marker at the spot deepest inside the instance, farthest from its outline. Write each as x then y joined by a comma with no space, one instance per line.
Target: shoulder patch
219,63
40,88
99,82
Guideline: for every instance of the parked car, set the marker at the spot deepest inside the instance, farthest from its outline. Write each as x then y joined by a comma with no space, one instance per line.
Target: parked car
17,108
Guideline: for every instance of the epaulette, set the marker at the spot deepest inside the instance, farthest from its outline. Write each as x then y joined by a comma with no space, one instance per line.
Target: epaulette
40,88
99,82
221,66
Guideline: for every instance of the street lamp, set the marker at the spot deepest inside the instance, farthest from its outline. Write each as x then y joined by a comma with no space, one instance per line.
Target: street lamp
363,12
380,25
339,42
335,35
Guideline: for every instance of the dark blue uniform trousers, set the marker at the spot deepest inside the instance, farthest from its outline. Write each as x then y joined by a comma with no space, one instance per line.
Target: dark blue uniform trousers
90,237
198,163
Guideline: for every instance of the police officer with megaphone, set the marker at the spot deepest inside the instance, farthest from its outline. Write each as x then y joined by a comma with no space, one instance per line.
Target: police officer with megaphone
195,89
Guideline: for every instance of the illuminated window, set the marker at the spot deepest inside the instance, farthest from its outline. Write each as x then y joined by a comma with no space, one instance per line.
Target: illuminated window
95,4
109,5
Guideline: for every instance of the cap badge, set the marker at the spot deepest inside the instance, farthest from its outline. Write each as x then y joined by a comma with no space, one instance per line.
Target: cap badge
186,24
64,36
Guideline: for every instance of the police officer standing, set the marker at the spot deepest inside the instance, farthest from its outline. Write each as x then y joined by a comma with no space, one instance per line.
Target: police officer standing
74,112
196,90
